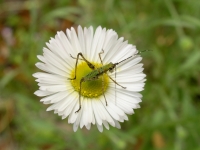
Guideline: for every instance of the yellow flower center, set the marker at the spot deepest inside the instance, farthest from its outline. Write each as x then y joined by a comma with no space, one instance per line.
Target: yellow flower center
92,88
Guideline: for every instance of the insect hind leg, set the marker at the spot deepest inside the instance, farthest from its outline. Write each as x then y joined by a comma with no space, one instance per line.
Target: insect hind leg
117,83
82,80
77,58
103,90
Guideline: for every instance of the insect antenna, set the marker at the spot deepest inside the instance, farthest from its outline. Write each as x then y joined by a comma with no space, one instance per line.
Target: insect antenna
115,86
103,77
147,50
123,60
132,56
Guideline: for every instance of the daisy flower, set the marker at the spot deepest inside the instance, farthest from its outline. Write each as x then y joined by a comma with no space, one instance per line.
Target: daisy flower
91,77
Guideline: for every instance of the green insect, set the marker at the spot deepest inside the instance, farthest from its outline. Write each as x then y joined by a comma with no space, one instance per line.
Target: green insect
96,73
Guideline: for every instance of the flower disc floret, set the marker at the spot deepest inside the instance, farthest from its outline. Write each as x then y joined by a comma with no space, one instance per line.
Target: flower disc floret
90,89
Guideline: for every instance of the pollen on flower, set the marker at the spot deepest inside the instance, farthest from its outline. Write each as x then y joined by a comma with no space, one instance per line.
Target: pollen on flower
90,89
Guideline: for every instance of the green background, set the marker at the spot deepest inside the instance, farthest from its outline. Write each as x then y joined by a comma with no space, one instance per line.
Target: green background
169,115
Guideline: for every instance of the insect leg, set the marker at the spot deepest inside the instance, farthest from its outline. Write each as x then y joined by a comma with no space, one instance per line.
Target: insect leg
88,63
103,90
75,57
115,85
75,66
100,56
116,82
82,80
103,78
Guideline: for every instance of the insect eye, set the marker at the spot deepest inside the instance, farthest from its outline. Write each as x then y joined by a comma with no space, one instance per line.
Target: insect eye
111,70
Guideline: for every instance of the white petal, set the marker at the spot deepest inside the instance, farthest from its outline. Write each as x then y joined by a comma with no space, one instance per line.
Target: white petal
94,106
90,112
55,88
41,58
122,104
69,108
79,118
112,112
65,103
129,63
106,124
117,125
127,97
51,69
75,127
66,45
56,61
55,97
75,42
81,39
57,49
88,35
125,53
84,119
88,126
43,93
99,47
100,127
112,41
94,48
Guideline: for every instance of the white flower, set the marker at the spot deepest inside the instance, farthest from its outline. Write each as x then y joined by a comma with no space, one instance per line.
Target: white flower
58,61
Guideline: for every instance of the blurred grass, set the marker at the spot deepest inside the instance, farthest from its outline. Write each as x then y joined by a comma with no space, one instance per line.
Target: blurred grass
169,114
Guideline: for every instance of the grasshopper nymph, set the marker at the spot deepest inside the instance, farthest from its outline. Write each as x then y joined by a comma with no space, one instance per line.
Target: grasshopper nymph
95,73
